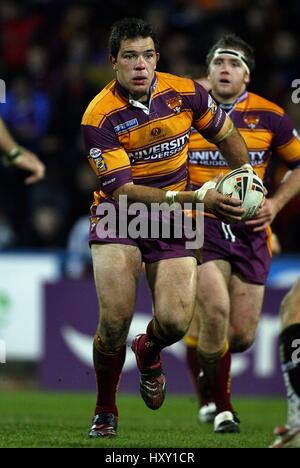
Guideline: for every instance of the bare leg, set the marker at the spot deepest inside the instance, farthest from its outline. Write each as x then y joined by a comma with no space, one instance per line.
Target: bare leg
173,287
116,270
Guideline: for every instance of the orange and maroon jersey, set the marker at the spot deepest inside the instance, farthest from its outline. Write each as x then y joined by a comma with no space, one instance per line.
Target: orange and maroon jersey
267,131
129,142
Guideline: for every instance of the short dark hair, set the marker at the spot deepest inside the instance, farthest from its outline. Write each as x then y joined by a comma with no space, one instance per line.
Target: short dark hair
233,42
129,28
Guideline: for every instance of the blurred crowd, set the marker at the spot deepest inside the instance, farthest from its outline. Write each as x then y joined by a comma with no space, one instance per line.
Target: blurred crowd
54,59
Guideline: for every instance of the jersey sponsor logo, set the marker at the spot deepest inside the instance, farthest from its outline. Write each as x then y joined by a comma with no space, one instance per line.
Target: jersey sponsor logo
155,132
96,155
126,125
251,121
212,105
161,151
107,182
175,104
215,158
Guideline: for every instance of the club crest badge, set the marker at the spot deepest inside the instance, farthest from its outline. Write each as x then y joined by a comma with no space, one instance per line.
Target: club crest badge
175,104
251,121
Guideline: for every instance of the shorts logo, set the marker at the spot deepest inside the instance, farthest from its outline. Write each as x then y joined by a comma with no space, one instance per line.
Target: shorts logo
126,125
96,155
251,121
212,105
175,104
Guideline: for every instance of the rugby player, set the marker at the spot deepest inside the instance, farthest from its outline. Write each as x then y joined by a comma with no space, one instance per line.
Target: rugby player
136,133
288,436
236,257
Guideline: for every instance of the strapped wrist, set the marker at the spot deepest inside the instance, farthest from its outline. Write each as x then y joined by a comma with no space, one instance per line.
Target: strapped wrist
171,197
13,154
201,192
247,166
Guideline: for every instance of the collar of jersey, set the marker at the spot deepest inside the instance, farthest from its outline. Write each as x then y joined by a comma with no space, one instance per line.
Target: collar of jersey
230,107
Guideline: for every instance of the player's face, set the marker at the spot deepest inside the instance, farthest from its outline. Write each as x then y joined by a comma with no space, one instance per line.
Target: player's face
228,77
135,65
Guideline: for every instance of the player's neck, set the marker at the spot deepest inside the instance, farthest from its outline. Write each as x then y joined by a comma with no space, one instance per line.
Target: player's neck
227,100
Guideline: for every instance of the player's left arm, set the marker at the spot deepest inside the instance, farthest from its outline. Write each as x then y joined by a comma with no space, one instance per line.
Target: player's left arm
288,189
287,146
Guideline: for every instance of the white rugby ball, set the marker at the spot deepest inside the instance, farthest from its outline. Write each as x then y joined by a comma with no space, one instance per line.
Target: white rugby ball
246,186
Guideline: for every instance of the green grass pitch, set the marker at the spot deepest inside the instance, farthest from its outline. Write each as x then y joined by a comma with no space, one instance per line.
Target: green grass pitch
37,419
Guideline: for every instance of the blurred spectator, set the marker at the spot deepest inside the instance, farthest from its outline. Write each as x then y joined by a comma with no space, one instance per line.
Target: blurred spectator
18,30
46,229
26,112
79,260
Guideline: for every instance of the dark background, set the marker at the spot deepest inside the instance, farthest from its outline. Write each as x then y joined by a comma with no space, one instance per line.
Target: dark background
54,59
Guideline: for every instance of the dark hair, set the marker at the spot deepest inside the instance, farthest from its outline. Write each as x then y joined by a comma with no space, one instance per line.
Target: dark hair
129,28
233,42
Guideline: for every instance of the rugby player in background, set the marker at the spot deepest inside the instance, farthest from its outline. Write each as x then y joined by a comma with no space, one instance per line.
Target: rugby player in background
288,436
136,133
20,157
236,257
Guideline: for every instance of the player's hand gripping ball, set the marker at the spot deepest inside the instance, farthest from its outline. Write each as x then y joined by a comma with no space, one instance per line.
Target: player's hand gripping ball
245,185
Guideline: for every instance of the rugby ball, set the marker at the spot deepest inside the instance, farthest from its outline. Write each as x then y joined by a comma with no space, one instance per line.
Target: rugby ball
246,186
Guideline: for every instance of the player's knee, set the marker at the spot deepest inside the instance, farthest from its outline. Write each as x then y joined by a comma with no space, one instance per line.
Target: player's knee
215,318
175,328
240,343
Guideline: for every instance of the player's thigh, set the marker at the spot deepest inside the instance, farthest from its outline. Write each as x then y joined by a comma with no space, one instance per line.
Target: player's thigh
246,305
173,286
116,271
212,288
290,306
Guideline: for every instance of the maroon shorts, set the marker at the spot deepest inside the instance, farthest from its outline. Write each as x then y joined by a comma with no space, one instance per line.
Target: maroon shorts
153,248
247,251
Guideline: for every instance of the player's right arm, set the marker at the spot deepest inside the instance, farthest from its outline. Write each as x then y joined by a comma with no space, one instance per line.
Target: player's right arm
20,157
111,164
212,200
